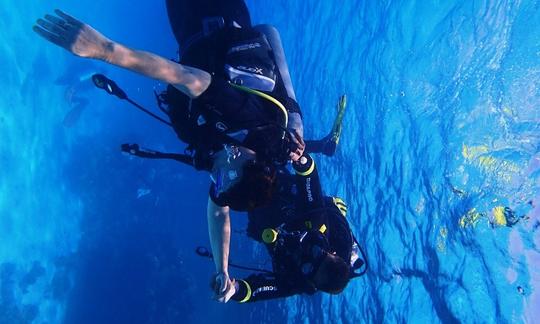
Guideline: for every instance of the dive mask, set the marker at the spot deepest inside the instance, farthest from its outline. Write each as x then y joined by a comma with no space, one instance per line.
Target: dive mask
224,177
315,246
310,267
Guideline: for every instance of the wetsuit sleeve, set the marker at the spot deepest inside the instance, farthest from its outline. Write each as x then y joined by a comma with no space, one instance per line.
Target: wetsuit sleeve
309,199
295,122
215,199
263,287
295,116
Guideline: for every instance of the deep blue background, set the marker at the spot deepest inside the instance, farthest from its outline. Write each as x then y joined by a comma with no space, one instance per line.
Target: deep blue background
442,122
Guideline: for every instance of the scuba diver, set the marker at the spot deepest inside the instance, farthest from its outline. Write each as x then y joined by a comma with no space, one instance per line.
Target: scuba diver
229,98
308,238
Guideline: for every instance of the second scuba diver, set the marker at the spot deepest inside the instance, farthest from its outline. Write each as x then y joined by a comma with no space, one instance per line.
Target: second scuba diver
308,238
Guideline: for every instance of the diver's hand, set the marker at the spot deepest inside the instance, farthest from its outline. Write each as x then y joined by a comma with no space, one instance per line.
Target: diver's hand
74,36
298,146
224,288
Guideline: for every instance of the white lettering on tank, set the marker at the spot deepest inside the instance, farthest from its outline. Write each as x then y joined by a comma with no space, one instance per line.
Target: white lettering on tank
257,70
264,289
244,47
308,190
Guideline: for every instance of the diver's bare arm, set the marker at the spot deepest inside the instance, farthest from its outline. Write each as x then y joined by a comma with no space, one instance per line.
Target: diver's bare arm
191,81
219,230
84,41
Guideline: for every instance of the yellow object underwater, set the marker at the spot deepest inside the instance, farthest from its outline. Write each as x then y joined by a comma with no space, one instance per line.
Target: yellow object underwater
267,97
470,219
499,216
340,204
337,127
471,152
482,157
269,235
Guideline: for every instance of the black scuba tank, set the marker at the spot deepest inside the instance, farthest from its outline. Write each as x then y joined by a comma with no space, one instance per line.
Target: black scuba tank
194,19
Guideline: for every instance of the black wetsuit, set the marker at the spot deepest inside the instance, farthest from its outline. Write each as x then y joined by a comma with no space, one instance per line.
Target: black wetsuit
186,17
294,213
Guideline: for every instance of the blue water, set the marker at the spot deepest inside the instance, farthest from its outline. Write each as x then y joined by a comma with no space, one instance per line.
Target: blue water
442,123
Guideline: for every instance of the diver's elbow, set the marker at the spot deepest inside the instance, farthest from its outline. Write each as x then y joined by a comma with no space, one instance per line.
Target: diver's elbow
192,81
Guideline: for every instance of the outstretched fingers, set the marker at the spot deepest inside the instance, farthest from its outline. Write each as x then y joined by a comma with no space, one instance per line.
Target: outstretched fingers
51,27
68,18
60,29
54,29
53,38
55,20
